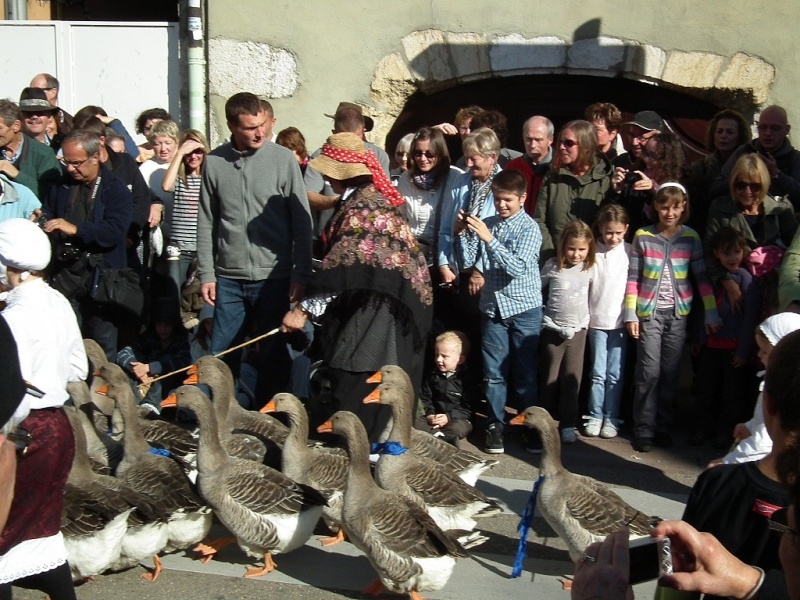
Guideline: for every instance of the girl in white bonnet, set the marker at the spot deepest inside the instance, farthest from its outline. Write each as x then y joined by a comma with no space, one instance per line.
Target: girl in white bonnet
753,441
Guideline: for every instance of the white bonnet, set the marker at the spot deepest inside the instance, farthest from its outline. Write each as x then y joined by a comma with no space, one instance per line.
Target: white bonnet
776,327
23,245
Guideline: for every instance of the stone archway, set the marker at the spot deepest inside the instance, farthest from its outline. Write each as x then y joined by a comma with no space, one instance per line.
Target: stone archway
432,60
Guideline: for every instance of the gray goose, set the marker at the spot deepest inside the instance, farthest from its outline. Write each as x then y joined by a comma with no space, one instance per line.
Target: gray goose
405,546
322,468
104,451
581,510
158,477
467,465
214,373
267,511
449,500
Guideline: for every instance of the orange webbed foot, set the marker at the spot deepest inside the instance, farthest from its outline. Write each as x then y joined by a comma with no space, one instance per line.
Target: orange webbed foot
269,565
151,577
330,541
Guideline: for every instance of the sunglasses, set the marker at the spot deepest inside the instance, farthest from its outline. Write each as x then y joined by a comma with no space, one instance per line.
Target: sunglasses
427,154
22,439
568,143
744,185
778,521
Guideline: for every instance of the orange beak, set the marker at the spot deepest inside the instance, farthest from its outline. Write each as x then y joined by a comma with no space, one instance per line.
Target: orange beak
376,378
170,401
326,427
268,408
102,390
192,378
374,397
518,420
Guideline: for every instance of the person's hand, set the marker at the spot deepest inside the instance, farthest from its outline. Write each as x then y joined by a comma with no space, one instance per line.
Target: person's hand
714,463
447,275
475,283
461,223
61,225
294,320
701,564
140,370
734,293
209,293
446,128
642,184
772,165
479,228
741,432
189,146
440,420
156,212
296,291
8,169
633,329
712,328
35,215
106,120
607,576
431,420
738,362
619,177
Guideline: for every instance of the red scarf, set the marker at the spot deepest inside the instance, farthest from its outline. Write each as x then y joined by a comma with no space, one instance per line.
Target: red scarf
379,179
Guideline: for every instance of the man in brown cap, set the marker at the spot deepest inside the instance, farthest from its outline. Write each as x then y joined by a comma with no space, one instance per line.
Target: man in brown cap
36,114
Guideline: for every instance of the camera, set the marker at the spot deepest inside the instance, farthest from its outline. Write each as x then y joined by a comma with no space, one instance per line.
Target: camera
631,177
650,558
66,252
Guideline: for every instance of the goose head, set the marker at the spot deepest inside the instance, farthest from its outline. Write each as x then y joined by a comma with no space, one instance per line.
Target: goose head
284,403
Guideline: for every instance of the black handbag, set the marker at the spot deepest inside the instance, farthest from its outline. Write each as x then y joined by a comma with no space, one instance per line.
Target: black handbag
74,277
117,287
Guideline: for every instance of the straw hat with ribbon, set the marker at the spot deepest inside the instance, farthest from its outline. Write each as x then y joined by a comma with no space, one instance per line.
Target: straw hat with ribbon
344,156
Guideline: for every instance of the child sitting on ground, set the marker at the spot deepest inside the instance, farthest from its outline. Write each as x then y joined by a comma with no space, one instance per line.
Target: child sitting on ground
447,393
163,348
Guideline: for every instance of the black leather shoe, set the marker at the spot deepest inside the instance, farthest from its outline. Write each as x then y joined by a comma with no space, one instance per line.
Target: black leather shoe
643,444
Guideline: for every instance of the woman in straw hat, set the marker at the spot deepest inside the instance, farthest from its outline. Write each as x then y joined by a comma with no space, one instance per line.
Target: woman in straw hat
51,353
372,294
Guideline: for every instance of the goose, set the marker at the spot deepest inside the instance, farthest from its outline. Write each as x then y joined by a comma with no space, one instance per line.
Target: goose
268,512
158,477
322,468
581,510
104,451
93,521
104,405
450,501
214,373
468,466
410,553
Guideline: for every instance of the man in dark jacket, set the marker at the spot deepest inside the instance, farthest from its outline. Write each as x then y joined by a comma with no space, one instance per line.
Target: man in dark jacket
89,211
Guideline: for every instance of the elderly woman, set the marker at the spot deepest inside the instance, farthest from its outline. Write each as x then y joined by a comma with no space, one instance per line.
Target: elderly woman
578,181
402,157
51,354
768,224
372,294
727,130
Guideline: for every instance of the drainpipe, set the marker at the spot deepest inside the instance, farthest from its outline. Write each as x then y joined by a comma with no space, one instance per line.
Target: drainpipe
196,54
17,10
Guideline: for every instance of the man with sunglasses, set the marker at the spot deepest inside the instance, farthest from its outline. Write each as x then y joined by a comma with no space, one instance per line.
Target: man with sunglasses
777,152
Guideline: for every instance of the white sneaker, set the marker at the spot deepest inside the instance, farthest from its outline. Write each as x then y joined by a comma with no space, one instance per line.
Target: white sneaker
569,436
609,430
592,427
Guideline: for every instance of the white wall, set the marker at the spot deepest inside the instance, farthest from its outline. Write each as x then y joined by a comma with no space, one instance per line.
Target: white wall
123,67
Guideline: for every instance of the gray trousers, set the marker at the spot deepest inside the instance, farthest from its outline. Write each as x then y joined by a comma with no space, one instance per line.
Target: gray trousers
658,357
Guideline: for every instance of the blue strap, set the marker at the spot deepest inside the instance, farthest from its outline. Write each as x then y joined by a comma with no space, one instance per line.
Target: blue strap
524,526
160,452
393,448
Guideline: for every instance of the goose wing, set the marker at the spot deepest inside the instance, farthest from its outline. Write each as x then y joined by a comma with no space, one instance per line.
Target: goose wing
601,511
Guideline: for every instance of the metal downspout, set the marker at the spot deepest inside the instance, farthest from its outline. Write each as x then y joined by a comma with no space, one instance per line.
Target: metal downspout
17,10
196,54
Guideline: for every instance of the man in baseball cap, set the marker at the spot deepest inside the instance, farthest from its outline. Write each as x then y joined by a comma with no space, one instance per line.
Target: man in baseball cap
635,135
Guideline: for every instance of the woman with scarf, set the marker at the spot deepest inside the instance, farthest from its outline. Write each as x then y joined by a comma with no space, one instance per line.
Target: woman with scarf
372,295
577,183
51,354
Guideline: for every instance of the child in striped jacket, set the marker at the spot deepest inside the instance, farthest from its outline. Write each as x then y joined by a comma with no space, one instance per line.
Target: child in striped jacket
657,301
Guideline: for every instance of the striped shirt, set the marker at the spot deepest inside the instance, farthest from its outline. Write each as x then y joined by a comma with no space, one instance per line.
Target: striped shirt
509,262
649,253
184,212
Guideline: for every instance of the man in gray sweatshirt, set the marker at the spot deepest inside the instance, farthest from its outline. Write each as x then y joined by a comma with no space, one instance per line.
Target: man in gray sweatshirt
253,240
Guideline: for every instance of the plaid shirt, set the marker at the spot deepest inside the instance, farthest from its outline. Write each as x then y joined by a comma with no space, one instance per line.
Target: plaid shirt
509,263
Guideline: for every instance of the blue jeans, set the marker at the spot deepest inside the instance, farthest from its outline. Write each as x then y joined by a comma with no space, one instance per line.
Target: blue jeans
511,348
608,348
251,308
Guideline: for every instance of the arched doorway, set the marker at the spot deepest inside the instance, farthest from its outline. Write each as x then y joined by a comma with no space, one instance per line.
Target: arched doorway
560,98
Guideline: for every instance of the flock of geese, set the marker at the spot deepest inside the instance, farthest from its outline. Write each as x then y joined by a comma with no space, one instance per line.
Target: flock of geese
140,486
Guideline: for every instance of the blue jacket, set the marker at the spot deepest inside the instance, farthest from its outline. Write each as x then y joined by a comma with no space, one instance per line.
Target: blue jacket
18,201
111,216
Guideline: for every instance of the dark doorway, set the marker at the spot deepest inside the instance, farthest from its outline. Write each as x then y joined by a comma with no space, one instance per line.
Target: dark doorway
561,98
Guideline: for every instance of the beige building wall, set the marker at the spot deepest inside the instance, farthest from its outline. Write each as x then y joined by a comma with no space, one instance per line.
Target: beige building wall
307,56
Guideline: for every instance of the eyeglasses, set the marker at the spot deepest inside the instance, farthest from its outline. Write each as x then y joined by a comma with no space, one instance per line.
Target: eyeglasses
745,185
75,164
643,137
22,439
778,521
568,143
427,154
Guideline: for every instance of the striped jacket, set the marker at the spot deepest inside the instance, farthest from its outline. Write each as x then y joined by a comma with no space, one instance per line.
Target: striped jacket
684,251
